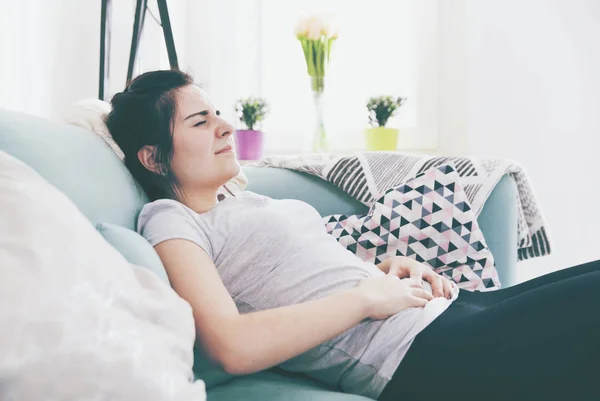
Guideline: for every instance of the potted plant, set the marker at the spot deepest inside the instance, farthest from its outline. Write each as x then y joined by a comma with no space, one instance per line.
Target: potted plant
381,108
249,143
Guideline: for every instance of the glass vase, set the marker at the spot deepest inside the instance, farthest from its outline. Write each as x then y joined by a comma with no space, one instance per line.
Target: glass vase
320,140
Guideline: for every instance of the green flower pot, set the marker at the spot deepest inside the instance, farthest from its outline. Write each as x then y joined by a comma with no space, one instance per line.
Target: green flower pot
382,138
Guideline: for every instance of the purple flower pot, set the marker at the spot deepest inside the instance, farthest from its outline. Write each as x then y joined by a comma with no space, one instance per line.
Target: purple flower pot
249,144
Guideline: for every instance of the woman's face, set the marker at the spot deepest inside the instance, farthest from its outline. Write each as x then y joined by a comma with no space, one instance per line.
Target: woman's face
203,155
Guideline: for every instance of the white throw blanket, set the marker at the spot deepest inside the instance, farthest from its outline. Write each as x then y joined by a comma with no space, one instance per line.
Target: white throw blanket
365,175
77,321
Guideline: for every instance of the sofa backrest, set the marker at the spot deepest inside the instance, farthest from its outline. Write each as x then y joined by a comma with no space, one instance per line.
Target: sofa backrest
77,162
84,167
280,183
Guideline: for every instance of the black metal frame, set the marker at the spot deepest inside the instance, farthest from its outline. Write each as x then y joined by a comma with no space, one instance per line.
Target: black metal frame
105,20
168,34
141,8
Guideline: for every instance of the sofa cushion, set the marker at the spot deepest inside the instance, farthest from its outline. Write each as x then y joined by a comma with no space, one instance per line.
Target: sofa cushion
428,218
134,247
79,310
76,161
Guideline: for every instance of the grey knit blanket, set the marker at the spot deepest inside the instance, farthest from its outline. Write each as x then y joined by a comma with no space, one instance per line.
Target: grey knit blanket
365,175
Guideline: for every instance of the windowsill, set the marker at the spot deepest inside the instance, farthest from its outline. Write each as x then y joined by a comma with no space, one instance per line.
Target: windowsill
333,152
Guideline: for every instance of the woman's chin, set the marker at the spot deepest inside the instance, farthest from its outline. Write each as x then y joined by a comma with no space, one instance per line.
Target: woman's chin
233,168
226,166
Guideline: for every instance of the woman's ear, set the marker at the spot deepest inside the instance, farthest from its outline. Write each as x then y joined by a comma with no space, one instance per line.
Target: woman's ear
147,156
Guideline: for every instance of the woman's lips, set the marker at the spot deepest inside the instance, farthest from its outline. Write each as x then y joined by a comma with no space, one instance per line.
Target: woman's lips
227,149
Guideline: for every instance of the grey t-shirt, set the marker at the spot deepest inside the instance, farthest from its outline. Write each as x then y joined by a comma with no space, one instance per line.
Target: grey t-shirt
271,253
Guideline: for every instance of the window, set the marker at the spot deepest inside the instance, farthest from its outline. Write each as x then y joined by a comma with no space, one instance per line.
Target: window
384,47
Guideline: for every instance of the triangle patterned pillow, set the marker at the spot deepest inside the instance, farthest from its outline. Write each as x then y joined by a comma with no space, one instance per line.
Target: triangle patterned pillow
429,219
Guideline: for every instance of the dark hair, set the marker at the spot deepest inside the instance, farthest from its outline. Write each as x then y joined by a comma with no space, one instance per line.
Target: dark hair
143,114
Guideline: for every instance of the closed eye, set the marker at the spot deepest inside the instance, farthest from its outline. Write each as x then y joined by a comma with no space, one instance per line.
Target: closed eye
199,123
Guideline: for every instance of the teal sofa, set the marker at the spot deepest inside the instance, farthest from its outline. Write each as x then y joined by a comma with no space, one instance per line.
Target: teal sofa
81,165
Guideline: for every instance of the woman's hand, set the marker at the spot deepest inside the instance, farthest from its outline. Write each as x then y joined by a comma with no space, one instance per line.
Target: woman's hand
404,267
388,295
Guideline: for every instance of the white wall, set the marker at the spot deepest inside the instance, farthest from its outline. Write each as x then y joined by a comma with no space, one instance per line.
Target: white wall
452,44
48,53
49,50
523,82
211,35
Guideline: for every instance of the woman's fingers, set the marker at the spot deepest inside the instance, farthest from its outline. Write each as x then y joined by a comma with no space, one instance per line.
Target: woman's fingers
417,302
440,286
447,287
436,284
414,282
398,268
421,293
415,272
395,269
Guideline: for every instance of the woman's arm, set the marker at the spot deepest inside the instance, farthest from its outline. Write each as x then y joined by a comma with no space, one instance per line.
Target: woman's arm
247,343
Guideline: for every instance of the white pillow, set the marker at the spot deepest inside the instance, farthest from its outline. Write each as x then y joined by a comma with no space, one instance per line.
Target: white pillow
89,114
77,321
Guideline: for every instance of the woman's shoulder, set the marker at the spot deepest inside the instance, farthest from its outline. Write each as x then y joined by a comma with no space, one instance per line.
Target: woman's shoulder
161,208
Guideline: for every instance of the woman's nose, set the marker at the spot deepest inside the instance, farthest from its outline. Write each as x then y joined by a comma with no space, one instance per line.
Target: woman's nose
225,130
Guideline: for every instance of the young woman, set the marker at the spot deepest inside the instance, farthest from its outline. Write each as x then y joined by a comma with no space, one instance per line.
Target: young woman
269,287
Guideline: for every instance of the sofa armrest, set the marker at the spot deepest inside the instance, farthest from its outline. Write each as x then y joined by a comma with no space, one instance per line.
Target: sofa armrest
498,222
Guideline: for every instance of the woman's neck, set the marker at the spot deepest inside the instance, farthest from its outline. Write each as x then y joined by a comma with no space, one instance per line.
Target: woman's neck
200,202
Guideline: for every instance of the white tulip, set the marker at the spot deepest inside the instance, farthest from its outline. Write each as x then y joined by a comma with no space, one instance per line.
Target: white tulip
314,26
302,27
331,30
314,32
305,25
328,27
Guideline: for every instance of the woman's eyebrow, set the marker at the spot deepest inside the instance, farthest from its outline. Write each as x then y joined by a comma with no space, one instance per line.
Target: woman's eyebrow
202,113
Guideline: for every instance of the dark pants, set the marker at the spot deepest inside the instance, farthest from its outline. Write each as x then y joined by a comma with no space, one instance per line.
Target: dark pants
539,340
